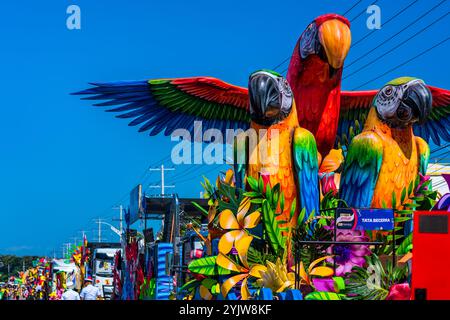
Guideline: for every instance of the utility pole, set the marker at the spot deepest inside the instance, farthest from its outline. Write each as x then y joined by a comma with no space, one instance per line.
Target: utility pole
74,241
120,208
83,233
163,185
99,222
67,245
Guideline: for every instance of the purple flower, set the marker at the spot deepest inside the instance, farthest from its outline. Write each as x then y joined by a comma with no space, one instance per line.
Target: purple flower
348,256
422,180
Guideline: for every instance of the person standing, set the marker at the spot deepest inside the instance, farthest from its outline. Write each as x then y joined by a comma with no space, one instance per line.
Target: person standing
90,292
70,294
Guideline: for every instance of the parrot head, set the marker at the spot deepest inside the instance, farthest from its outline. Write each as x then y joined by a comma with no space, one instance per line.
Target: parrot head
271,97
403,102
328,37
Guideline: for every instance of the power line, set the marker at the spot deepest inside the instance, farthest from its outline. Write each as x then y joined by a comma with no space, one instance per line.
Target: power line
396,47
361,13
281,63
397,33
395,15
441,147
403,63
352,7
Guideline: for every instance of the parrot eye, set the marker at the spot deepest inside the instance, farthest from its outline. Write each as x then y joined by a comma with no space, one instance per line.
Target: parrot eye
388,91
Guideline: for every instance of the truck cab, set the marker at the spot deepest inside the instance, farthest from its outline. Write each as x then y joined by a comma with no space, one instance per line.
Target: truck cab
102,270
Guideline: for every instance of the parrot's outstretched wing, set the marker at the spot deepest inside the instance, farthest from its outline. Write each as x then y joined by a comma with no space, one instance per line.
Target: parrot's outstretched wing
169,104
361,170
307,170
355,106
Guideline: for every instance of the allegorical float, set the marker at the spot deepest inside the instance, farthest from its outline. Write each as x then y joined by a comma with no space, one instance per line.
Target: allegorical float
342,208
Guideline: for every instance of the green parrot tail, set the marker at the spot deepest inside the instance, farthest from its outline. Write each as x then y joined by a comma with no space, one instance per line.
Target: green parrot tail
307,170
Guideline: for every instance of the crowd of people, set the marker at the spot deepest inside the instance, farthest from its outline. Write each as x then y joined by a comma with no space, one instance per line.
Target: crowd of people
15,290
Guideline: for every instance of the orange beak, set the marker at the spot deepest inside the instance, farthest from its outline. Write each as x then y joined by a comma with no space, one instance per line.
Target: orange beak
335,37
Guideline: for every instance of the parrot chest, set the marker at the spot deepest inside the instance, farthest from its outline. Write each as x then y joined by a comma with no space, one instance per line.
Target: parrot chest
399,168
275,162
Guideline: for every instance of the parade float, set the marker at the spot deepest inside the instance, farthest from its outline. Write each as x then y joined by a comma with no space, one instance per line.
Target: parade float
334,213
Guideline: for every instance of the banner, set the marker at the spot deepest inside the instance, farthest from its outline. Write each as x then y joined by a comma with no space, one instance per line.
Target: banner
365,219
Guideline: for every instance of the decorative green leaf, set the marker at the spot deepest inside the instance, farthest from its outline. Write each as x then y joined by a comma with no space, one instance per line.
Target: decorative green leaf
190,285
403,196
253,183
271,227
208,283
293,207
252,194
319,295
200,208
207,266
301,216
404,247
394,200
261,185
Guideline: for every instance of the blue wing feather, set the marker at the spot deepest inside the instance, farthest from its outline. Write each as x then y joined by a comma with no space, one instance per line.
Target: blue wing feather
135,99
307,171
361,170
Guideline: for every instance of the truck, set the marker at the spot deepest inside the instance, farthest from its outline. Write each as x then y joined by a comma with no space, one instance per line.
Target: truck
102,269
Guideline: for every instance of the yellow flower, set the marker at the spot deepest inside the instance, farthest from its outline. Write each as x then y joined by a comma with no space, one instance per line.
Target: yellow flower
320,271
237,225
244,270
276,277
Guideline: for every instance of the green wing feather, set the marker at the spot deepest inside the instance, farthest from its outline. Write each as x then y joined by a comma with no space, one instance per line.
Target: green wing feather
307,170
361,169
164,105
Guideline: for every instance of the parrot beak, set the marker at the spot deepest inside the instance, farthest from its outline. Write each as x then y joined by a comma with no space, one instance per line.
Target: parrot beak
335,37
270,98
418,98
264,102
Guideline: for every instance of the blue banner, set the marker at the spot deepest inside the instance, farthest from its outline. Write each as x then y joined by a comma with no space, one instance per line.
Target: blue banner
365,219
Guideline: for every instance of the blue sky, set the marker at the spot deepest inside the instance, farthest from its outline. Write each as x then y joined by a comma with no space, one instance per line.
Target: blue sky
65,163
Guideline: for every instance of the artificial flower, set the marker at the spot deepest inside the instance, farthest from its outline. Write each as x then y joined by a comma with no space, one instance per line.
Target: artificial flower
348,256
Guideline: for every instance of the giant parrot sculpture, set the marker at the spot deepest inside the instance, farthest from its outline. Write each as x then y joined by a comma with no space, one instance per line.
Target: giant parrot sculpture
386,156
290,156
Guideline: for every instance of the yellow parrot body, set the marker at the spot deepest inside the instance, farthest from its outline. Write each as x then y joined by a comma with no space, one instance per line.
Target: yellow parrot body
391,158
281,170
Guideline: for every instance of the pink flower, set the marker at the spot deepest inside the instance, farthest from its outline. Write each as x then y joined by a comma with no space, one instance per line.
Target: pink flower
348,256
400,291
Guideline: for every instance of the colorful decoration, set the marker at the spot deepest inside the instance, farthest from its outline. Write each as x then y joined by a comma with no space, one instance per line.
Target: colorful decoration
315,73
294,161
368,149
348,256
386,157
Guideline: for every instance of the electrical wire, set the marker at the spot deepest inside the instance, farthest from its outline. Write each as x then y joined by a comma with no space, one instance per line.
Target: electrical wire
395,15
396,34
403,63
397,46
352,7
362,12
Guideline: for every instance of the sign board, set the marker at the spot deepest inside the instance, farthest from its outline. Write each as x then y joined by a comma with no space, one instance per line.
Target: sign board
135,205
365,219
